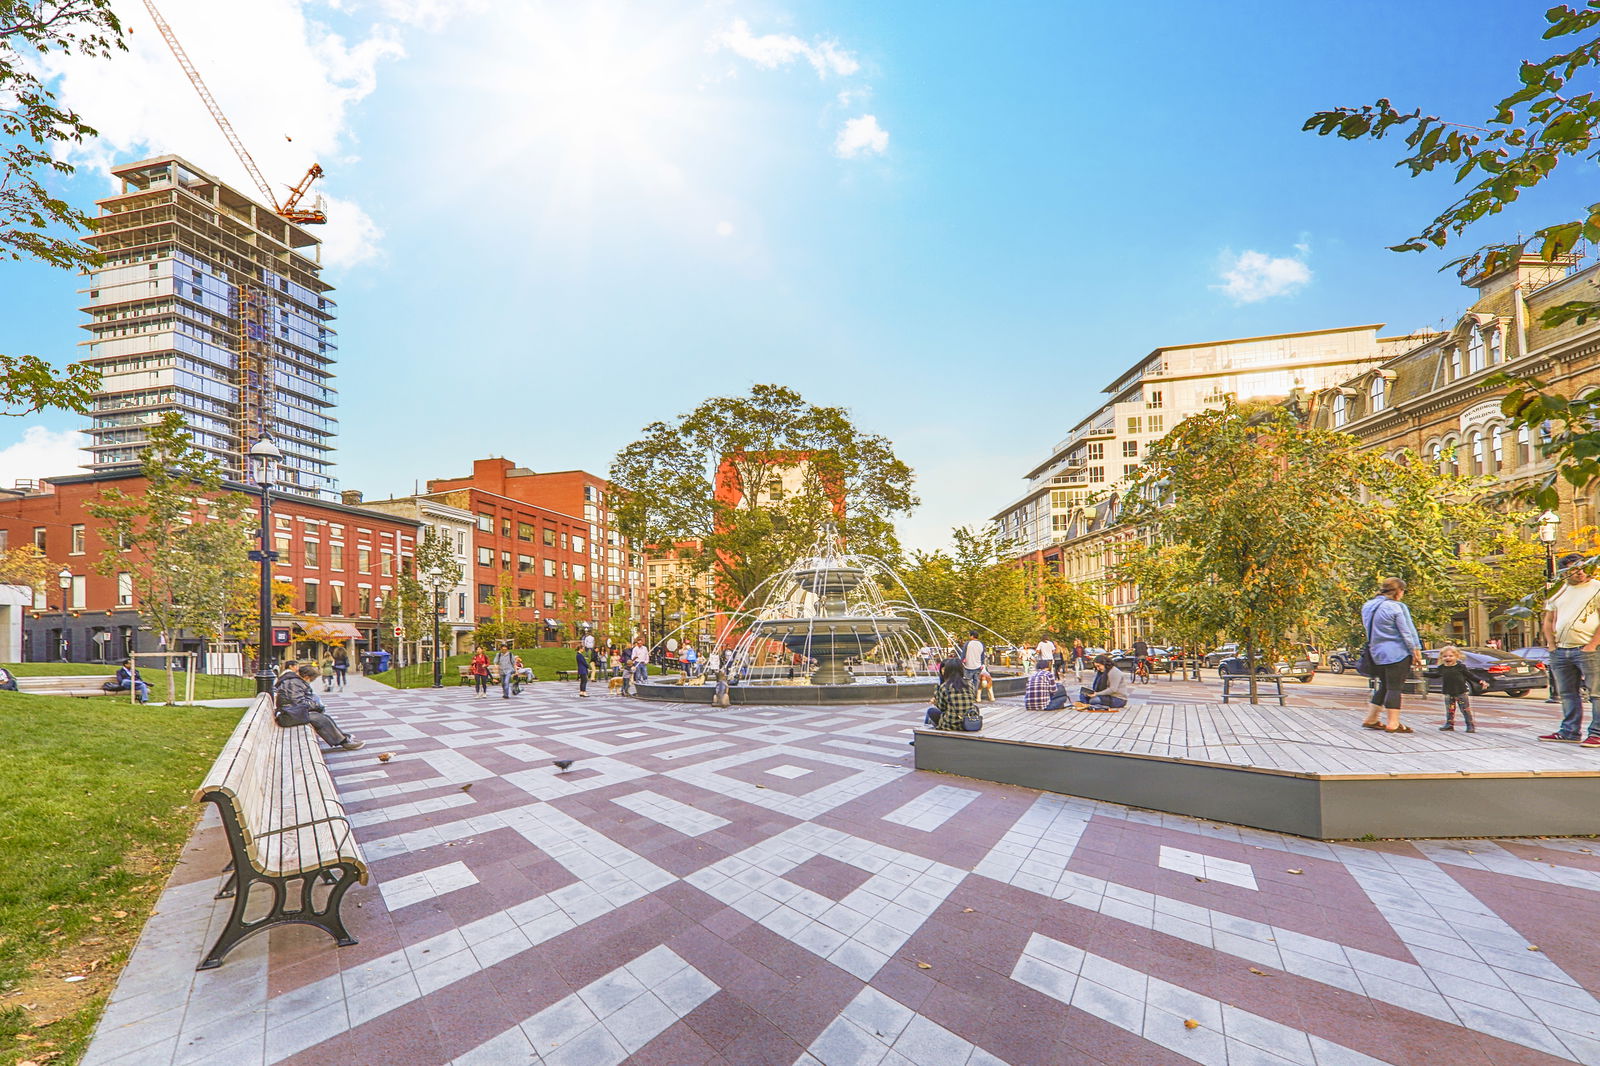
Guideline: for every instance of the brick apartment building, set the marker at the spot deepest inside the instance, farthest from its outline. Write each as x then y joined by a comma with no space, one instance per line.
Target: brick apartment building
551,533
341,560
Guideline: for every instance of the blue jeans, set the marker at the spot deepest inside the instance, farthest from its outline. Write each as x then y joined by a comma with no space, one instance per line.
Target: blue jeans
140,689
506,677
641,672
1056,702
1574,670
972,677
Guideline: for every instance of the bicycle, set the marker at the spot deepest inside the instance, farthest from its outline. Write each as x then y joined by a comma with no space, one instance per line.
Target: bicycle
1141,670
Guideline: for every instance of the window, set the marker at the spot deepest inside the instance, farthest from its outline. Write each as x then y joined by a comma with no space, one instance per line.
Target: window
335,530
774,490
461,542
1130,449
524,597
363,601
1155,424
1476,463
549,538
549,568
281,546
1152,400
311,597
485,557
1097,474
313,553
1524,447
486,522
1133,425
549,599
336,599
1340,409
336,557
385,564
363,560
79,590
577,572
1497,447
505,560
564,572
524,564
1475,361
124,590
563,542
461,605
77,540
505,526
39,537
1497,343
284,522
524,531
1454,355
1059,500
577,544
1097,451
485,593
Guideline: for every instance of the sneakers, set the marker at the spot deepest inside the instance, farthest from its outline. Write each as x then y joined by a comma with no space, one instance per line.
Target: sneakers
1590,741
1560,738
352,744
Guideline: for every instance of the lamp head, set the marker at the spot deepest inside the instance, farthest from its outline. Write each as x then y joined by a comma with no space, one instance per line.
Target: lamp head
64,578
1549,522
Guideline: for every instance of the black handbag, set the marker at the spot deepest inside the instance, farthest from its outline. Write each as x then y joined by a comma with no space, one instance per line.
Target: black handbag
1366,665
973,722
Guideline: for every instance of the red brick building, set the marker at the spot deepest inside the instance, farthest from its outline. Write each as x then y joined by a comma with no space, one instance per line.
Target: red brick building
341,561
549,534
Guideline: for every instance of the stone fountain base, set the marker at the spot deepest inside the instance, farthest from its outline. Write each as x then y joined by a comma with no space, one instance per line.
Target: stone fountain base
909,690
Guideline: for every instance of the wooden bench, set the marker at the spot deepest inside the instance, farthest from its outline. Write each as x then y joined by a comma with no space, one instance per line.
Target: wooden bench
286,829
79,685
1242,681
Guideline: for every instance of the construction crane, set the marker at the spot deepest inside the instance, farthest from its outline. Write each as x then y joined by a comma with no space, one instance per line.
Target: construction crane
290,208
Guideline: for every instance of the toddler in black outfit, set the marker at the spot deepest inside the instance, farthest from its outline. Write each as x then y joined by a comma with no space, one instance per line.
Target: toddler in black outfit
1457,684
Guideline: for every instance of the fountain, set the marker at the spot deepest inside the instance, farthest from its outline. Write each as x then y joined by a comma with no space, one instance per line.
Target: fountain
826,630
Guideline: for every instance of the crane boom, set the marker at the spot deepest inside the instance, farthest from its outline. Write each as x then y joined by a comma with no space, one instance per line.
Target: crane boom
288,210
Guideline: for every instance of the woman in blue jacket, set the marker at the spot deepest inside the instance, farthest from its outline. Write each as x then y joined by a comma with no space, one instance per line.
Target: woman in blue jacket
1392,640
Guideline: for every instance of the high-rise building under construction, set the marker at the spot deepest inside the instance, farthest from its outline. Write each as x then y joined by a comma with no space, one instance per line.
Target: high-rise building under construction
211,305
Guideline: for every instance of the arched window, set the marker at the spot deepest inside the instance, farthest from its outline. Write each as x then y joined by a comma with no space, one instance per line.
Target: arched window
1436,456
1476,465
1452,456
1524,447
1454,357
1377,392
1497,448
1340,409
1497,345
1475,351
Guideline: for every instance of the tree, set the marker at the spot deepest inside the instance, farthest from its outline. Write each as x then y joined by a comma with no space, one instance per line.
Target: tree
162,538
705,484
1530,130
1068,610
1261,529
438,570
973,582
208,587
26,565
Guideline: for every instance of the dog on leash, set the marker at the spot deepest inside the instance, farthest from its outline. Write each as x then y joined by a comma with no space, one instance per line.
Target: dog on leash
985,687
615,684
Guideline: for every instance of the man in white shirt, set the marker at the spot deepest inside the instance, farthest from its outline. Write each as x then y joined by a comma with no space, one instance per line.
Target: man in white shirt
1046,651
1572,632
640,657
972,658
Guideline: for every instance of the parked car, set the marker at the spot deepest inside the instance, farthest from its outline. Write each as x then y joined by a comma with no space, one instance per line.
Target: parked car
1299,664
1341,659
1226,651
1537,655
1123,660
1491,670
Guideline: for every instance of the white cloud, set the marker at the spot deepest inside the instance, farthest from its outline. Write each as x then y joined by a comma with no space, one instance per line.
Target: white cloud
1251,276
773,50
861,137
289,94
42,453
724,229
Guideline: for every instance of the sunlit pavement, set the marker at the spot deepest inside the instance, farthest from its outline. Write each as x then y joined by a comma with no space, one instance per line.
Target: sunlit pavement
778,886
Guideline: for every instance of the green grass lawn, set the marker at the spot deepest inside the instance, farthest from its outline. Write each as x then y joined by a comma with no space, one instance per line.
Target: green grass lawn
544,661
206,686
97,807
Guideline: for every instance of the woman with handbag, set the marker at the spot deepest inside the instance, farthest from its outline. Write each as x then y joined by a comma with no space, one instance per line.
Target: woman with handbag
955,701
1393,648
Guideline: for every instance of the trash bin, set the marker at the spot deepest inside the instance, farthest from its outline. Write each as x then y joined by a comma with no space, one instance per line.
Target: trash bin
382,660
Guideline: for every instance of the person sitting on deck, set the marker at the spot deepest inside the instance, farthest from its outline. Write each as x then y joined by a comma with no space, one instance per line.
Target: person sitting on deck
298,704
1044,693
1110,687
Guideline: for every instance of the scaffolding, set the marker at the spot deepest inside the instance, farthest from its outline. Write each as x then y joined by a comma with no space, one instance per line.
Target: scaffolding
250,311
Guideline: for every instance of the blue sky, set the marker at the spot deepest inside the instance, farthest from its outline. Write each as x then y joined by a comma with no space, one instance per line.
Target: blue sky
556,223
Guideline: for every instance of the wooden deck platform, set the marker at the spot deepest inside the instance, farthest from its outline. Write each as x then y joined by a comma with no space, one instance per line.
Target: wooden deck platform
1305,770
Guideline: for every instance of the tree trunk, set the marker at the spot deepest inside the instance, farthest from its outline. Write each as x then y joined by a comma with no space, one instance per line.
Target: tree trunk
1250,663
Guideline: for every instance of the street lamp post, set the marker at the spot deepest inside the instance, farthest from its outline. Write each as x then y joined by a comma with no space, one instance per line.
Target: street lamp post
377,632
264,453
661,611
438,659
64,579
1549,523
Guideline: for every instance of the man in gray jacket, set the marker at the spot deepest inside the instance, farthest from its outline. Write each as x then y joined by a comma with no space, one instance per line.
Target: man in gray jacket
506,663
298,704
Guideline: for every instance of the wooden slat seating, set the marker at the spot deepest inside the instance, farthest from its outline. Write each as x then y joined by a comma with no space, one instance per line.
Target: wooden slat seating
286,830
1237,686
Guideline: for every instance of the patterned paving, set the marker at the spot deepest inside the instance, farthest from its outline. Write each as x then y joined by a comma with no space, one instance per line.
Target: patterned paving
765,885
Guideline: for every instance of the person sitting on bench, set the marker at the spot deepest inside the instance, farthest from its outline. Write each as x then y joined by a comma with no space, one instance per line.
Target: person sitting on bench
298,704
1110,687
128,677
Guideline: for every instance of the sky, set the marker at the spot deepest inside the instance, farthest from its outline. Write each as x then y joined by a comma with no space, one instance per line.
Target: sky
554,223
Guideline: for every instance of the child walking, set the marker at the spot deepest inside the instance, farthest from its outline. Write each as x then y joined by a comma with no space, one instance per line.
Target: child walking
1457,684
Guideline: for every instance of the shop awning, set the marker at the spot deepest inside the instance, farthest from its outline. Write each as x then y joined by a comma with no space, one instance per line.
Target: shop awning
324,630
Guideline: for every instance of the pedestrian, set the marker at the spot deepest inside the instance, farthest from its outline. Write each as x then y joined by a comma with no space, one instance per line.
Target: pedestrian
506,662
1572,632
691,661
972,658
1080,657
583,673
1457,683
1395,648
128,677
1045,650
1109,689
1045,691
954,698
326,669
341,667
479,669
640,658
298,704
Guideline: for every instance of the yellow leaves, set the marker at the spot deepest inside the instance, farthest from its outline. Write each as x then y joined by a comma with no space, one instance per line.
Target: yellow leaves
1190,1023
924,965
1297,871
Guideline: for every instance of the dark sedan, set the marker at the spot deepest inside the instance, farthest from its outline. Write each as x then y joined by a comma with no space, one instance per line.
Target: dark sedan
1491,671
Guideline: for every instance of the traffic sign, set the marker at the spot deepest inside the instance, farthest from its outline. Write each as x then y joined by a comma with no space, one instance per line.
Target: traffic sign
399,631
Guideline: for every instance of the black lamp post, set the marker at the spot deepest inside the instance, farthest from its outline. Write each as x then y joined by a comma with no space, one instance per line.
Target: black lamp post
1549,523
64,579
438,655
263,453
